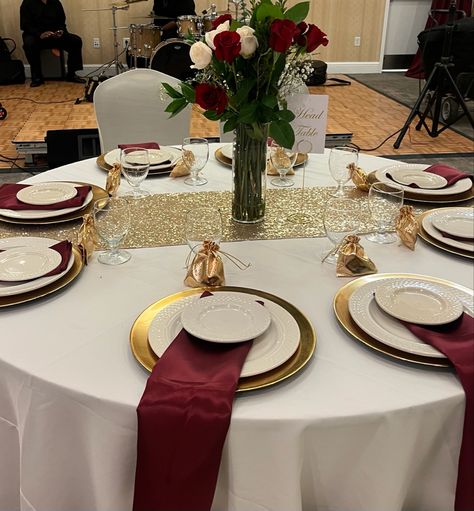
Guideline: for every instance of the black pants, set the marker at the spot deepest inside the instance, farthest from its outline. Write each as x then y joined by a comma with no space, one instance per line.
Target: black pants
70,43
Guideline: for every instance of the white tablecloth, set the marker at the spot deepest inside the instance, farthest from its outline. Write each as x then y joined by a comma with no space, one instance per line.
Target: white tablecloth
353,431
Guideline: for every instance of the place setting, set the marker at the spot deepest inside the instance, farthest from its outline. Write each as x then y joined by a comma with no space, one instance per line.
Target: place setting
47,202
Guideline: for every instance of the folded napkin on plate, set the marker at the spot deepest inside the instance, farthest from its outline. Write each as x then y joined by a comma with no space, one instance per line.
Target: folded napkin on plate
456,341
183,418
451,174
141,145
8,199
64,248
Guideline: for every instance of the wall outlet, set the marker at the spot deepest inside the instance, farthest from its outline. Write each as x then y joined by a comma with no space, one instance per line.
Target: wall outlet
125,42
96,42
357,41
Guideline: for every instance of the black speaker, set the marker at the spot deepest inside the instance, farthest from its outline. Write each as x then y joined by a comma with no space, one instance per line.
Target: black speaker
69,146
12,72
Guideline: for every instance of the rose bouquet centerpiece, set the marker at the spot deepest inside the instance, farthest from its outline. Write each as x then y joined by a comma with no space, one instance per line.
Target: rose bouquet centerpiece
243,66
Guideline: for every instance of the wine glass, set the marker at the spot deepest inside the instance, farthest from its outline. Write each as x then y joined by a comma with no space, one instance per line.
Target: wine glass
341,218
112,222
135,166
385,201
283,160
195,156
339,160
203,224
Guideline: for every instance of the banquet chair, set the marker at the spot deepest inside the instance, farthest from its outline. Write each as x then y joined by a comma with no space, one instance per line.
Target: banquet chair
130,108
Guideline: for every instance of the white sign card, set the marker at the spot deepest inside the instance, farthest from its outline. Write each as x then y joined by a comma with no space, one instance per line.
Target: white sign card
309,125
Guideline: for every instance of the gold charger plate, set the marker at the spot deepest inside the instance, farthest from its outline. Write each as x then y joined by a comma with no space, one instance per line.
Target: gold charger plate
103,165
146,357
300,159
76,268
436,243
341,309
438,199
97,193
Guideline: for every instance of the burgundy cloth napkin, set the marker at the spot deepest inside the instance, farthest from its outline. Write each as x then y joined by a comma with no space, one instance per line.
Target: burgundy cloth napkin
8,199
183,418
456,341
143,145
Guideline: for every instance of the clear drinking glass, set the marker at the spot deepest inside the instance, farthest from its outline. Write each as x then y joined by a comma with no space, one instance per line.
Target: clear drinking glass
283,160
112,222
339,160
203,224
135,166
385,201
195,156
341,217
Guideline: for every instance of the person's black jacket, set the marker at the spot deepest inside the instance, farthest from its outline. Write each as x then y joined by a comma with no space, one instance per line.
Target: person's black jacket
37,17
173,8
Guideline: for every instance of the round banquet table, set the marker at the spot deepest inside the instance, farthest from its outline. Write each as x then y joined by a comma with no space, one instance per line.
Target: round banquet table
354,430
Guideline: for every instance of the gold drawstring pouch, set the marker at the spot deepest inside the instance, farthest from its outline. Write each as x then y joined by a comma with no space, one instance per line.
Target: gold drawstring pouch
407,226
206,268
359,177
180,169
283,160
86,237
113,179
352,260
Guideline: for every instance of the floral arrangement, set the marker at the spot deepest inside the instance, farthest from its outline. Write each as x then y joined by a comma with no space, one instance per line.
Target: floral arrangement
245,66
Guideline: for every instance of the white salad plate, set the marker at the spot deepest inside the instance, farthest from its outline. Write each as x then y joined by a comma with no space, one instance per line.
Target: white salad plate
388,330
269,350
225,319
459,222
43,194
227,150
26,263
461,186
424,180
16,288
159,158
418,301
429,227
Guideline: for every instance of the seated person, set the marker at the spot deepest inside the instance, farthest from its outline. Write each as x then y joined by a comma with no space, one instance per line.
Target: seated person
44,26
171,9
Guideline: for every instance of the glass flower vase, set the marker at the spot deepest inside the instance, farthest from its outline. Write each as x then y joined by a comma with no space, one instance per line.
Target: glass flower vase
249,164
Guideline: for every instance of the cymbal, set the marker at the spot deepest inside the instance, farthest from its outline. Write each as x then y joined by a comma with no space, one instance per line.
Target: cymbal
153,16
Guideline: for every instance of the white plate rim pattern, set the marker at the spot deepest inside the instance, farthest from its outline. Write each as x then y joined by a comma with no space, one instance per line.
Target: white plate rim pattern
461,186
166,325
25,287
437,221
359,307
398,176
24,195
111,157
433,232
50,259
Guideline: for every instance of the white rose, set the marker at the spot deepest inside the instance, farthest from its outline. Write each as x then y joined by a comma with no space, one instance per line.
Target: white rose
223,27
200,54
248,42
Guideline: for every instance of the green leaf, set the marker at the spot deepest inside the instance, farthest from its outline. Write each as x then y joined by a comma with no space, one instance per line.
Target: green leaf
298,12
212,115
270,101
231,124
268,11
176,106
171,91
242,94
282,133
247,113
188,92
286,115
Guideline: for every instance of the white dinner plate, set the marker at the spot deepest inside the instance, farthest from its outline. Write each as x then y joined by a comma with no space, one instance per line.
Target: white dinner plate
16,288
428,226
388,330
26,263
271,349
227,150
418,301
43,194
225,319
426,180
34,214
461,186
157,160
459,222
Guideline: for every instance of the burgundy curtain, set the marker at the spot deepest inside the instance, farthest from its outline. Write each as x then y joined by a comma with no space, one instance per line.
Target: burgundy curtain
416,68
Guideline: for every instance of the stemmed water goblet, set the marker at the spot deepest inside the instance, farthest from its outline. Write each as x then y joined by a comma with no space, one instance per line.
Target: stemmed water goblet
135,166
385,201
340,158
112,222
195,157
283,160
203,224
341,218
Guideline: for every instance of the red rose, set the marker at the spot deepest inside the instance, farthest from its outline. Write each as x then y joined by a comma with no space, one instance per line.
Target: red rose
210,97
227,45
299,37
221,19
281,35
314,38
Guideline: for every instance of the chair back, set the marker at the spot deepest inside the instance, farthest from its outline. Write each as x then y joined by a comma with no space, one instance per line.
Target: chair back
130,108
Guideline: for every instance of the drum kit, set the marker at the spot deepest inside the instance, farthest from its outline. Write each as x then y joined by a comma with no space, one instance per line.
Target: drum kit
148,48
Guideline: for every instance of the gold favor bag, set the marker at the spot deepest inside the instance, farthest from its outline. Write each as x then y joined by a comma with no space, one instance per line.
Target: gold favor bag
206,268
86,237
359,177
352,260
407,226
113,179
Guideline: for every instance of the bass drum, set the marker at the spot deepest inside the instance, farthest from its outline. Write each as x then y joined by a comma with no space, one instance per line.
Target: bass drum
172,58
